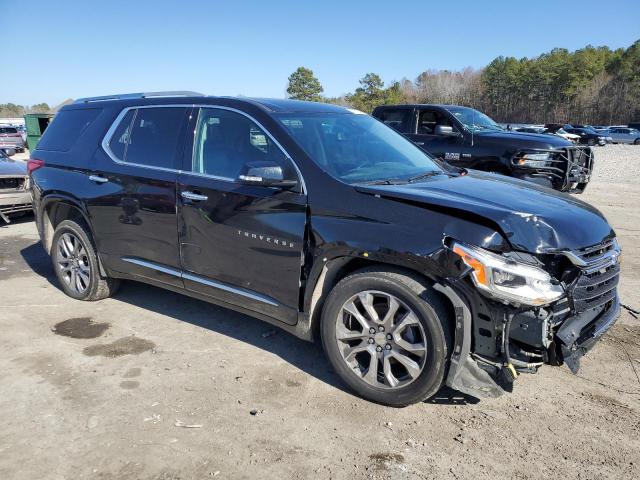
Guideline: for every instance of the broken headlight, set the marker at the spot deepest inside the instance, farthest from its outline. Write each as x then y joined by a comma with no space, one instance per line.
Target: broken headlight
507,280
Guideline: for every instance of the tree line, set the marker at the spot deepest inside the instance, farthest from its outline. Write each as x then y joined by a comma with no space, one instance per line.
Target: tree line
592,85
11,110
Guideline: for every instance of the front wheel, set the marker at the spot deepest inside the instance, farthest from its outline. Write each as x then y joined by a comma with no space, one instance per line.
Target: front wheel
387,335
636,141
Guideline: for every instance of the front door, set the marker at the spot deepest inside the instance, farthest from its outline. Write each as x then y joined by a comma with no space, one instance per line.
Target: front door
425,136
241,244
131,193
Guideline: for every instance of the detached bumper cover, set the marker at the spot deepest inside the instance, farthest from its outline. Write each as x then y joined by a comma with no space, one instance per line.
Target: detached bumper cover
579,334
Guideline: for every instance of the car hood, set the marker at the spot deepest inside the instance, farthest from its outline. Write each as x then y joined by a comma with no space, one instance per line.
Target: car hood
525,140
12,167
532,218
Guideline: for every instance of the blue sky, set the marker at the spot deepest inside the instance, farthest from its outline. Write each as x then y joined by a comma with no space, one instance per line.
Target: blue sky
85,48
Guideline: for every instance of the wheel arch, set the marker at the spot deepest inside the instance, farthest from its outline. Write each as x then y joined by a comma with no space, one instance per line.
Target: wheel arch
336,269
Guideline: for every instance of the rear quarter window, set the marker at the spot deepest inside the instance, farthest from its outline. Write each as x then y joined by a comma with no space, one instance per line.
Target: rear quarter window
66,128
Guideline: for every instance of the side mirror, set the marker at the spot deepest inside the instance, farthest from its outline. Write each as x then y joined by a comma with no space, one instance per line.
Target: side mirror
9,152
445,131
266,174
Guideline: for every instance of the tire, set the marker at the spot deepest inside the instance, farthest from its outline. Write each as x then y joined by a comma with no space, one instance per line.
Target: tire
636,141
591,142
75,262
428,323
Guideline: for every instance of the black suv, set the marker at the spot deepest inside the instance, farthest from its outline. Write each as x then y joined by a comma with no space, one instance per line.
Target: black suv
329,224
467,138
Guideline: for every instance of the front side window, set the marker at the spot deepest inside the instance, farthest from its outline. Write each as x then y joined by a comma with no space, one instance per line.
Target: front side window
473,120
226,142
149,136
356,148
429,119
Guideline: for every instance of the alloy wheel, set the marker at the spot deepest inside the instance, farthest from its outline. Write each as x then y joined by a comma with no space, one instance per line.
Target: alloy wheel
73,262
381,339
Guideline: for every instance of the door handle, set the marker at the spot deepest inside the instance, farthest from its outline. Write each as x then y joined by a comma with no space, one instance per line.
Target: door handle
196,197
98,179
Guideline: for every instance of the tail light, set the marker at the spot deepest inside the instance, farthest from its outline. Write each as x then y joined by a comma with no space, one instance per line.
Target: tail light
34,164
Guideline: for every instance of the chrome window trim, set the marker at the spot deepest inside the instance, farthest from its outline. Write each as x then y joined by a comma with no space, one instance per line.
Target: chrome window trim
198,279
121,115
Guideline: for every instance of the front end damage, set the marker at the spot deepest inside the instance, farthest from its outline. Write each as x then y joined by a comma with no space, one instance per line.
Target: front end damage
495,340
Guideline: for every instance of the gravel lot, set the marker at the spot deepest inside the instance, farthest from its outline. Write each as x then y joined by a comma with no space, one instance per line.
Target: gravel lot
154,385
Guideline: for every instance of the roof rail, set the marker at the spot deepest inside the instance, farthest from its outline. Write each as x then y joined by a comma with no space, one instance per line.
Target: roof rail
129,96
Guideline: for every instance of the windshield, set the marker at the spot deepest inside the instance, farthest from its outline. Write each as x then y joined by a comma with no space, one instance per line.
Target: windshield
473,119
357,148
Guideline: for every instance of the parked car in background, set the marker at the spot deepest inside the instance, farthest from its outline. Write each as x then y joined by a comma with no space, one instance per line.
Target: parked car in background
15,196
467,138
556,129
625,135
588,136
327,223
10,137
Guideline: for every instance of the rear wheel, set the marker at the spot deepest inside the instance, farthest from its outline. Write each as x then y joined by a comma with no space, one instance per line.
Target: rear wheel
76,263
387,336
636,141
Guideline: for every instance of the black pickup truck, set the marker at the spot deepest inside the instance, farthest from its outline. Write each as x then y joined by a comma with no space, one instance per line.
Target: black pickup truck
467,138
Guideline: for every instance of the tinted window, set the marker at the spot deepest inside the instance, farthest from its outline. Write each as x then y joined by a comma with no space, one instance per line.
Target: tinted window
399,120
67,126
429,119
226,141
356,147
120,138
154,137
8,130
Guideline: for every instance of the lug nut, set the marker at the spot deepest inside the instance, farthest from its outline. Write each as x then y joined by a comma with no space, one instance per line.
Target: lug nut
389,337
371,340
381,328
378,348
372,330
387,346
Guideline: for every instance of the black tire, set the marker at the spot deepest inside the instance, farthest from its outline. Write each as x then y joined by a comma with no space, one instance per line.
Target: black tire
636,141
431,313
98,287
591,142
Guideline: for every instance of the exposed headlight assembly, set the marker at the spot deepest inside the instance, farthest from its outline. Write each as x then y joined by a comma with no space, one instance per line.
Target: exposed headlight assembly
507,280
533,160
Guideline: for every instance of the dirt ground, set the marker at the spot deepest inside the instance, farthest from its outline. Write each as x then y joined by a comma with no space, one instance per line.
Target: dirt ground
155,385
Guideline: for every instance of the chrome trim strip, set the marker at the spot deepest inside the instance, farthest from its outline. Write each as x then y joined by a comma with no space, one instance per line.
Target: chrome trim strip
227,288
153,266
118,119
196,278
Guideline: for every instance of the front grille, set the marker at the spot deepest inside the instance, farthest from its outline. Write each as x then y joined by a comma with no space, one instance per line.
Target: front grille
599,274
568,168
12,183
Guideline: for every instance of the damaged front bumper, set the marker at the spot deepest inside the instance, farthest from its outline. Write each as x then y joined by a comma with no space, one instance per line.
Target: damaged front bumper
494,341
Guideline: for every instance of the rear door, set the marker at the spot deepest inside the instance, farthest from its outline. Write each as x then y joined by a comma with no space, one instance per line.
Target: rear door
241,244
132,200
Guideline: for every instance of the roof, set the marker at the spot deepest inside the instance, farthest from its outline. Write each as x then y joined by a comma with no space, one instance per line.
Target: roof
186,97
422,105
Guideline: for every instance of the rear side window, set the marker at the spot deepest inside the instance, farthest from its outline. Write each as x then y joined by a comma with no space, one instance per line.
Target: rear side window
149,136
8,130
65,129
399,120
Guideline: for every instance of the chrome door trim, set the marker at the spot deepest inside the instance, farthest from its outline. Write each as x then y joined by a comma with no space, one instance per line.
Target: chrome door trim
193,196
154,266
120,116
204,281
227,288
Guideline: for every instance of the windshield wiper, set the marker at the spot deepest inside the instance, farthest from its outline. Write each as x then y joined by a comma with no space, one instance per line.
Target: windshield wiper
430,173
386,181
